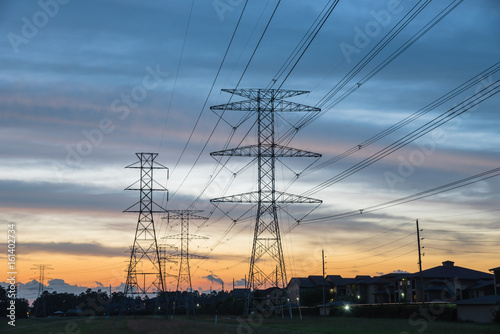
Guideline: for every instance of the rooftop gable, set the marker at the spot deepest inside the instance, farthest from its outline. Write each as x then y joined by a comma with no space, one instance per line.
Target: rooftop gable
449,271
318,281
302,282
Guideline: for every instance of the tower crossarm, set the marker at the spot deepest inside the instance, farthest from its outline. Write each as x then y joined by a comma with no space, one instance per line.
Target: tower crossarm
178,236
191,256
149,158
253,197
182,216
254,93
253,151
265,105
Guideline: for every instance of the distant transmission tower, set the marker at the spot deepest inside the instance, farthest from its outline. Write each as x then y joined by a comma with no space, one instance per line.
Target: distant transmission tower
166,258
144,273
40,268
267,264
185,216
184,277
41,287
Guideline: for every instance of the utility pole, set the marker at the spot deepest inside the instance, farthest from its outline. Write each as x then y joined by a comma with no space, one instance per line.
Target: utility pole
267,260
144,257
184,277
323,257
420,265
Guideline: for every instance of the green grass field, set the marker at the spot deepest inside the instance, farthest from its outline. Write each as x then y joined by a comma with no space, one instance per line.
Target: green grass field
205,325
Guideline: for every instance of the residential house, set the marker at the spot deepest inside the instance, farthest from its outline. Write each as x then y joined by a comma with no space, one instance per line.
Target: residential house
496,285
307,290
444,283
344,287
374,290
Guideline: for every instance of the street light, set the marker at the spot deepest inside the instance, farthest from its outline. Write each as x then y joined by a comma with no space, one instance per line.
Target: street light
300,312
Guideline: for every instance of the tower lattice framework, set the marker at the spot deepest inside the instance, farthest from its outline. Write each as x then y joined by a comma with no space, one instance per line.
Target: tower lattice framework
267,264
41,268
144,273
185,216
184,276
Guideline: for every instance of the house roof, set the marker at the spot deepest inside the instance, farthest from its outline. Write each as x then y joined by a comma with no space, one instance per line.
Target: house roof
449,271
396,275
339,281
373,280
318,281
335,279
495,269
302,282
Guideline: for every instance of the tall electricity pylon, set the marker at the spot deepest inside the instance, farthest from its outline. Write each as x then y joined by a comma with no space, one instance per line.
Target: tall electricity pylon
166,260
41,268
184,277
267,264
144,273
41,276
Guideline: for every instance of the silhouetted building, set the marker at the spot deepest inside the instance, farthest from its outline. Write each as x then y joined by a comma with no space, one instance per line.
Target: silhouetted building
307,290
446,283
496,285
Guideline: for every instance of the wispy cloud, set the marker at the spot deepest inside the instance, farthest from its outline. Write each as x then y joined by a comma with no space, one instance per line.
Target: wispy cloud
71,248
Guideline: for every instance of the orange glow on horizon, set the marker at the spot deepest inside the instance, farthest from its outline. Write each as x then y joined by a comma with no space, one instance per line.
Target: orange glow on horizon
86,271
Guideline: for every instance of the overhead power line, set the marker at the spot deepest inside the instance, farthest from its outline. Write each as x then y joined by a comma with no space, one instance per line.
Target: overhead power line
410,16
407,120
208,96
177,74
222,113
304,44
440,120
301,48
423,194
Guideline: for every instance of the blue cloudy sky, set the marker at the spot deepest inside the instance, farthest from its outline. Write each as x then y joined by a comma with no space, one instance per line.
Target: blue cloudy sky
86,84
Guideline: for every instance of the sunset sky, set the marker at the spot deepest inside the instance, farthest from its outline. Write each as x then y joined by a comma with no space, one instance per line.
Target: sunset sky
84,85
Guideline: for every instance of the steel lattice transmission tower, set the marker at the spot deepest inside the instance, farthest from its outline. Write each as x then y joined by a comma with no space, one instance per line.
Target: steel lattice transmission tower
144,272
184,276
41,268
165,252
185,216
267,264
